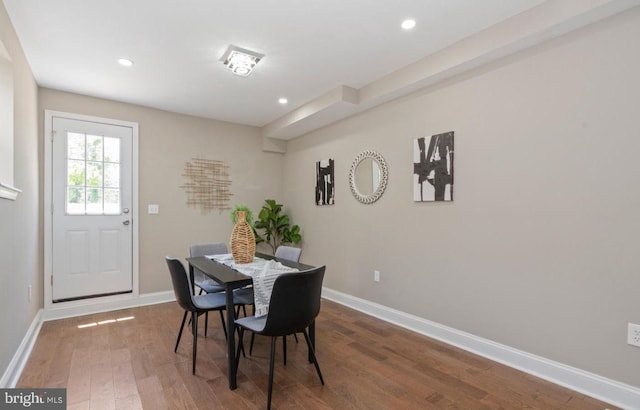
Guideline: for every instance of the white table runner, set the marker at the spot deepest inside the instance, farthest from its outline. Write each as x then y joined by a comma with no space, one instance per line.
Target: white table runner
264,273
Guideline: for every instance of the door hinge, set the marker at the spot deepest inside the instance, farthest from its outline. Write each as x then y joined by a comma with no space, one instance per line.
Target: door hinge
53,134
51,280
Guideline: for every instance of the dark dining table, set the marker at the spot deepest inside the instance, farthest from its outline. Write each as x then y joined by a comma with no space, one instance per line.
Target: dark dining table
231,280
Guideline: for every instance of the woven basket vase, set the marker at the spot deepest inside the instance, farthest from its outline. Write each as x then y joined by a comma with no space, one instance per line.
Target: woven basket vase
243,242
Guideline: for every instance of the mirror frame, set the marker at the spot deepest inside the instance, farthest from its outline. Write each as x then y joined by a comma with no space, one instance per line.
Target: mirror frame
384,177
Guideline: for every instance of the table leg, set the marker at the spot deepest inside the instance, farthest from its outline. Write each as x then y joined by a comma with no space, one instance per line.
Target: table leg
231,326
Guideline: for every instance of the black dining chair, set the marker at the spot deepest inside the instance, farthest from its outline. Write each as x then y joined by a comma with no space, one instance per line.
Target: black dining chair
243,297
201,280
289,253
294,305
196,305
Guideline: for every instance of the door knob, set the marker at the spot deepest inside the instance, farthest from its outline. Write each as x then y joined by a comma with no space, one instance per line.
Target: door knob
127,222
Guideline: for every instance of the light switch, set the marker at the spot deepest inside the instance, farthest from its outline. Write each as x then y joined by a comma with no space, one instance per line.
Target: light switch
154,209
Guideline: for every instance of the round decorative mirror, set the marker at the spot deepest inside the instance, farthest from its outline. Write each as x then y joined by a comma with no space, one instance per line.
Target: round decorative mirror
368,176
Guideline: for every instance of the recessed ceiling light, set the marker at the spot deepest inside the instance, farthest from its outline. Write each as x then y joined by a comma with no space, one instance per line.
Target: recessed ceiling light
240,61
283,101
125,62
408,24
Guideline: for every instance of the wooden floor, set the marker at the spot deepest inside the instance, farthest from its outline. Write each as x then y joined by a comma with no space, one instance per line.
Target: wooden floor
366,363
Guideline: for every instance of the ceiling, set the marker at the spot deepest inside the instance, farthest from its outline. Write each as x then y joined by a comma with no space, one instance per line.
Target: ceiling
312,49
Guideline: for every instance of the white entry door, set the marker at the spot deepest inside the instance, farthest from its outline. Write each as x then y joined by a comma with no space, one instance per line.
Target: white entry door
91,192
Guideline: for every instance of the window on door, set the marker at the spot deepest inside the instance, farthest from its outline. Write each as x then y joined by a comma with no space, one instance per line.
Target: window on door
93,175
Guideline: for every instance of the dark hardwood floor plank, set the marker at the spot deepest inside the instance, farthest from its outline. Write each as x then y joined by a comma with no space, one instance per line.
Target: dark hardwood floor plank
101,385
129,403
79,383
152,393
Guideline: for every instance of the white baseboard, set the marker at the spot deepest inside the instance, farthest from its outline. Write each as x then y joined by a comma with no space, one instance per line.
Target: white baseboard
14,370
607,390
106,304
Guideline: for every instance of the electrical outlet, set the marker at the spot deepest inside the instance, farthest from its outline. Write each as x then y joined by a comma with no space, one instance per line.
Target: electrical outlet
376,276
633,336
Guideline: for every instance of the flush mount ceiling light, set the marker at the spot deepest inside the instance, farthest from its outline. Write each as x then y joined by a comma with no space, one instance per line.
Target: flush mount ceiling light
240,61
408,24
125,62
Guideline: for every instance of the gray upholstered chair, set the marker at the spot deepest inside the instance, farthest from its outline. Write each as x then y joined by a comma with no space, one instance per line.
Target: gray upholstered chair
288,252
206,284
201,280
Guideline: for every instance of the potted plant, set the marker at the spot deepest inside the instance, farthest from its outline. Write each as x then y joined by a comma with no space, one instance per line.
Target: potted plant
273,227
248,213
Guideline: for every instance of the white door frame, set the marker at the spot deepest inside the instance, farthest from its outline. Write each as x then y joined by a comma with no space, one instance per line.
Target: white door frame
73,308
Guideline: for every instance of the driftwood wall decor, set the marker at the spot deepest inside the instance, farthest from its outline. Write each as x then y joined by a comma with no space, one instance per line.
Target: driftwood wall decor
207,184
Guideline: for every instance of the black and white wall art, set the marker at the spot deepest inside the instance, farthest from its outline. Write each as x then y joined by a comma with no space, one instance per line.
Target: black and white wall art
325,182
433,168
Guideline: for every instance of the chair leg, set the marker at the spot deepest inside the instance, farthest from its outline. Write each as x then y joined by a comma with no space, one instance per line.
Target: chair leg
194,324
271,361
184,319
206,323
239,329
244,310
253,337
240,346
313,354
296,337
284,349
201,291
224,326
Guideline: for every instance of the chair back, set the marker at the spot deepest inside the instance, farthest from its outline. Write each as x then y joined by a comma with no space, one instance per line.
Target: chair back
203,249
295,302
289,253
181,284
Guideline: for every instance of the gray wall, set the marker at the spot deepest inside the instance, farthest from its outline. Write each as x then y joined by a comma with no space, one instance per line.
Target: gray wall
20,220
166,141
539,251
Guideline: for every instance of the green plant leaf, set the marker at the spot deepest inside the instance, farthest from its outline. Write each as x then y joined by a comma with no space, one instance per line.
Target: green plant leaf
273,227
245,208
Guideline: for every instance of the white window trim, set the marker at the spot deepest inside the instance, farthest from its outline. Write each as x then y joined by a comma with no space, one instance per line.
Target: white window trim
8,191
